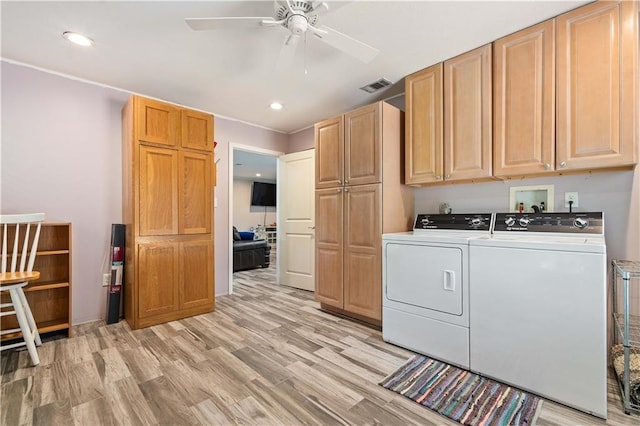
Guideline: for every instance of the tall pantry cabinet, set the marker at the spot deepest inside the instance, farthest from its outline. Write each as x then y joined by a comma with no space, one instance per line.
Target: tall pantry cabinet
359,195
167,209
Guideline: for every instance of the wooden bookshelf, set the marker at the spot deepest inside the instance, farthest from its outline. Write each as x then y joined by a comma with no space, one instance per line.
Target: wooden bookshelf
50,296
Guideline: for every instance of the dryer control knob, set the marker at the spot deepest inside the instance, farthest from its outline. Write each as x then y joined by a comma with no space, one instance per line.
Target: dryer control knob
510,221
581,223
476,221
524,221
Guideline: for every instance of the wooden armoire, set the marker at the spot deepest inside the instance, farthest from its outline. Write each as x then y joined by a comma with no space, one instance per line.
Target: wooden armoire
359,196
167,177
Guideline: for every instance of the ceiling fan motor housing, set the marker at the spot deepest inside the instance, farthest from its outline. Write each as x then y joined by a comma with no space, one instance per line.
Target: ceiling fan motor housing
297,24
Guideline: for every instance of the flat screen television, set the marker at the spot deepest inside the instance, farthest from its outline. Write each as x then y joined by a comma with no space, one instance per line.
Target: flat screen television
263,194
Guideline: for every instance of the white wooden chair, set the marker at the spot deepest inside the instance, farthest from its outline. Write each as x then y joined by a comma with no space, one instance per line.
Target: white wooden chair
17,271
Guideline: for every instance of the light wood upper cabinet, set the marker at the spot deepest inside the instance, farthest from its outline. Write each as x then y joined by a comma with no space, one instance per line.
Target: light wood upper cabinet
158,182
156,122
423,136
329,236
197,130
362,147
597,86
329,143
363,241
524,101
195,193
467,115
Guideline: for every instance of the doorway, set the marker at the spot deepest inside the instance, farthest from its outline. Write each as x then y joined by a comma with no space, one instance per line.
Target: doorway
244,163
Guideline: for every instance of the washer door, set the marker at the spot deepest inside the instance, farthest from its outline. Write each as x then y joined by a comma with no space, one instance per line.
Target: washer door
425,276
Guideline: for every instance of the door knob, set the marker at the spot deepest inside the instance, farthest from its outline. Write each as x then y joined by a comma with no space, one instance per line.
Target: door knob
311,227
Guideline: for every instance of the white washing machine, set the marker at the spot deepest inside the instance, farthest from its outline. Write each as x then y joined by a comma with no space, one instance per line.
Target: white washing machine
425,276
538,306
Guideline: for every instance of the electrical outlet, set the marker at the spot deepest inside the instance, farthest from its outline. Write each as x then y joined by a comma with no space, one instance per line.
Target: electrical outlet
571,196
106,279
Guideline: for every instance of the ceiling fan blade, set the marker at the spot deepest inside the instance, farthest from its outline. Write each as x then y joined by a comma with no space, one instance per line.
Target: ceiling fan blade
287,52
348,45
203,24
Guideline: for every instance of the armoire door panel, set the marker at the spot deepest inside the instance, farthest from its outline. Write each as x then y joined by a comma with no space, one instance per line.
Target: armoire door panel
196,269
156,122
363,287
592,42
195,193
329,246
362,146
197,130
467,115
329,216
157,279
524,101
423,91
329,281
363,220
329,143
363,240
158,185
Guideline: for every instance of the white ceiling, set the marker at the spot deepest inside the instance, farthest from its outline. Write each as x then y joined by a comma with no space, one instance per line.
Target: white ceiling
247,164
146,48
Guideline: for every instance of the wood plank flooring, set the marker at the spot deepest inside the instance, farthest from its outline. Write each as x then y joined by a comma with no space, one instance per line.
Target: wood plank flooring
267,356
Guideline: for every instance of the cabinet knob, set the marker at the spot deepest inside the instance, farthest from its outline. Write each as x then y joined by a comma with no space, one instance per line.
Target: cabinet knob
346,182
346,190
339,189
547,166
564,163
447,176
339,182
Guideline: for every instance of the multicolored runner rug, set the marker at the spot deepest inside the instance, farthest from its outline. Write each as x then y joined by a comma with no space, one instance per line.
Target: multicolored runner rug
463,396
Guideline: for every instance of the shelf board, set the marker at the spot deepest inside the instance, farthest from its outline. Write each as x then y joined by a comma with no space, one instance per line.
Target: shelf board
43,327
45,285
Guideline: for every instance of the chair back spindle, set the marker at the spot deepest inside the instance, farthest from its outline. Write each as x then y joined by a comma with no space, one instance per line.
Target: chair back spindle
27,253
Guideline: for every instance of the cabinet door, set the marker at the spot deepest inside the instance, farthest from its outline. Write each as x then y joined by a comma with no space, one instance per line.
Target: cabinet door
196,274
597,85
362,257
362,146
197,130
157,279
156,122
329,142
523,104
423,118
158,191
328,262
195,193
467,115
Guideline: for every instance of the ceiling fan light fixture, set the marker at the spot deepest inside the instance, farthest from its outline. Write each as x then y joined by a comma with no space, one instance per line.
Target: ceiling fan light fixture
276,106
76,38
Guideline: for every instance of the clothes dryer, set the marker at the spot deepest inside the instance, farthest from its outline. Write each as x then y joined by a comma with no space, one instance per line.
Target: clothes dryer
425,276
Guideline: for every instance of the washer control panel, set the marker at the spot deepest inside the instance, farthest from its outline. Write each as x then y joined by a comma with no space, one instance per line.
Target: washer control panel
568,223
461,222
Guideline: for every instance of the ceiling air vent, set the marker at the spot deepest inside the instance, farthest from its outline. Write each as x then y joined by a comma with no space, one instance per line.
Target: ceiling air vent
376,85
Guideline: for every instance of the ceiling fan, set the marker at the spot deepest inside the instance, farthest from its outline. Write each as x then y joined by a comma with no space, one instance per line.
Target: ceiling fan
297,17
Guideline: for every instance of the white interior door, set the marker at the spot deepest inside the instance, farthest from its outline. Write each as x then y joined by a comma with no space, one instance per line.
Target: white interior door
296,219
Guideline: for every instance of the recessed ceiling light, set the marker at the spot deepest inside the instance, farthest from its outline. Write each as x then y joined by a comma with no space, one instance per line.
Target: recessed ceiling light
78,39
276,105
258,175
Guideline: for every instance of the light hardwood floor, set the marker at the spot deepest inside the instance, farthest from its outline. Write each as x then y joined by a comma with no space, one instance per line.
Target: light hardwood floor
267,355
